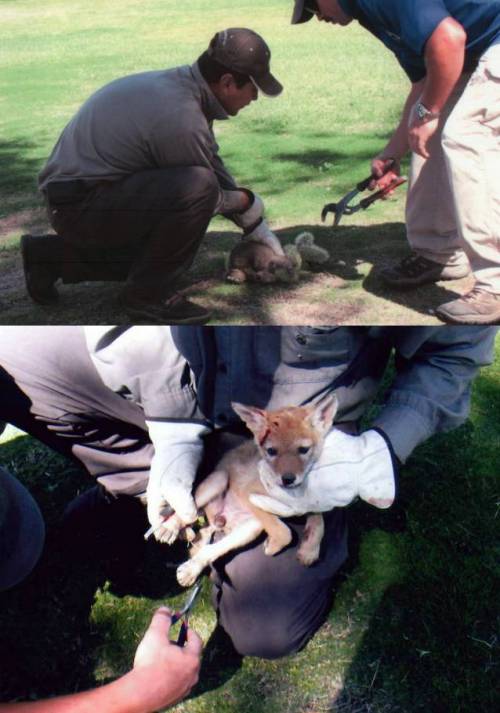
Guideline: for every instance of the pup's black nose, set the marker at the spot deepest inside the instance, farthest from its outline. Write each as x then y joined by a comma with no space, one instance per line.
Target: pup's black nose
288,479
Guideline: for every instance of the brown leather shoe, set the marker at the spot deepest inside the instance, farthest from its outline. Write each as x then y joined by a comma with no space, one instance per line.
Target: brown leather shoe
475,307
40,273
415,270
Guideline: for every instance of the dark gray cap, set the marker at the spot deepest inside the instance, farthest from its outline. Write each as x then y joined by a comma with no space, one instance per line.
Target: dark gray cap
245,51
22,531
300,12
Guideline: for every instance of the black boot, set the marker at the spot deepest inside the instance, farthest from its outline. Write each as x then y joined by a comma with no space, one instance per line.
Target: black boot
41,266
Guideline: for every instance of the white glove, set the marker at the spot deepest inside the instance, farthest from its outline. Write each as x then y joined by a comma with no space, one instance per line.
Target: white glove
252,215
178,453
233,204
263,234
349,467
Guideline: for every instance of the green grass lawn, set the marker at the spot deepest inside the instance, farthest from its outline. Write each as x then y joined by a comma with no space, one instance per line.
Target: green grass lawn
343,94
413,625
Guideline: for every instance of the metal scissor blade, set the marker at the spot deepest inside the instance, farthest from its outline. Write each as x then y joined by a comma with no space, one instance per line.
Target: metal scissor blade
189,602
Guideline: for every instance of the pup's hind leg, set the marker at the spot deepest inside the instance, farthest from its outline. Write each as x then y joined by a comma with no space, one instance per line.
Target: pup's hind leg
211,487
308,551
189,571
279,535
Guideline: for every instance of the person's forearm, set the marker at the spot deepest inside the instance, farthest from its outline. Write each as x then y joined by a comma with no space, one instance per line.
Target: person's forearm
397,146
444,60
119,696
431,391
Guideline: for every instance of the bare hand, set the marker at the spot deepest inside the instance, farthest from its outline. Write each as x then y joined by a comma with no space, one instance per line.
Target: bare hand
419,134
164,673
385,170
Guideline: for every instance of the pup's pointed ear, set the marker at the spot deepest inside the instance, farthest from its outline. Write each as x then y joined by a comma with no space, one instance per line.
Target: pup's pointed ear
255,418
324,413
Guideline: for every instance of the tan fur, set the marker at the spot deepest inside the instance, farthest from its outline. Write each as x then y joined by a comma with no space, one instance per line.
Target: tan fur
246,470
251,261
257,262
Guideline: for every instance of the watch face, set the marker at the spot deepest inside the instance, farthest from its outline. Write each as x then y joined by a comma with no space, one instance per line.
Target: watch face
421,111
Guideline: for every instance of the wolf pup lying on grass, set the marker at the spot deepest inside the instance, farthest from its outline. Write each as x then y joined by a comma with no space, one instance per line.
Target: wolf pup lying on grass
287,443
250,261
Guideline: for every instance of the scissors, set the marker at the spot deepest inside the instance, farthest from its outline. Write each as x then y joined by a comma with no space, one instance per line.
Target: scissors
183,613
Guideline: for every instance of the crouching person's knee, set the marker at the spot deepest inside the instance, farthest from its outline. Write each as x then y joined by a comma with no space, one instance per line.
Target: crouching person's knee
267,642
201,186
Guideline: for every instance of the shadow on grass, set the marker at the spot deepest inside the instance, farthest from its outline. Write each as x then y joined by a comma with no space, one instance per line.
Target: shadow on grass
49,643
344,290
432,642
17,171
352,248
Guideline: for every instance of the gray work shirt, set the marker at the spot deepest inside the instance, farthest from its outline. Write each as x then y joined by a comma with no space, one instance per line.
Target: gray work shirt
141,122
271,367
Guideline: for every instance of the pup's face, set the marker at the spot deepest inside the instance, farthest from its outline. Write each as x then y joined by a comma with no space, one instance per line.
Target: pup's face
289,440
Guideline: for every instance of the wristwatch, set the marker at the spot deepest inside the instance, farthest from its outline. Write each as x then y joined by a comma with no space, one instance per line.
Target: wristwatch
424,114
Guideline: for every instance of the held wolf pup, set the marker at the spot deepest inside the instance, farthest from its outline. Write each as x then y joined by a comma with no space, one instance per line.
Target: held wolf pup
287,443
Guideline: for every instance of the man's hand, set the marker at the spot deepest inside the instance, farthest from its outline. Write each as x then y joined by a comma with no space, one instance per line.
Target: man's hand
250,209
420,133
163,672
178,453
385,171
349,467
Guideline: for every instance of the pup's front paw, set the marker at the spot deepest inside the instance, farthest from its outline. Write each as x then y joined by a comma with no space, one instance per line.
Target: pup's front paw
307,554
188,573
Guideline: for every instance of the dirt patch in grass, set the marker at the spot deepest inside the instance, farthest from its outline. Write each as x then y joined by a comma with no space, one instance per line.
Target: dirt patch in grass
347,290
32,220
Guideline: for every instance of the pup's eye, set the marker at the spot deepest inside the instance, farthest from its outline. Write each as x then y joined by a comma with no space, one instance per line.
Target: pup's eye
304,449
271,451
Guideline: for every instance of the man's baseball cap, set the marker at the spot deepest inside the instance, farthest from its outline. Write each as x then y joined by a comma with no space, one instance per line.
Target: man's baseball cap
245,51
303,11
22,531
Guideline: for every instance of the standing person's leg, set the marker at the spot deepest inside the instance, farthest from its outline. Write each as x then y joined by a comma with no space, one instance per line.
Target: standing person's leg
145,229
472,152
431,225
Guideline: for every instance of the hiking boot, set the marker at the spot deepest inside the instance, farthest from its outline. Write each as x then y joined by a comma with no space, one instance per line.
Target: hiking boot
40,273
475,307
173,310
415,270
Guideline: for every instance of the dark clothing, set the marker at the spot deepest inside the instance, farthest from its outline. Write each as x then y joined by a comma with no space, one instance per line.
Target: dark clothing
404,26
133,181
271,606
141,122
145,228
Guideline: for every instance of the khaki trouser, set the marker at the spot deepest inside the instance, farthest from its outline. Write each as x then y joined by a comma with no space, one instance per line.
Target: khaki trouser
453,204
